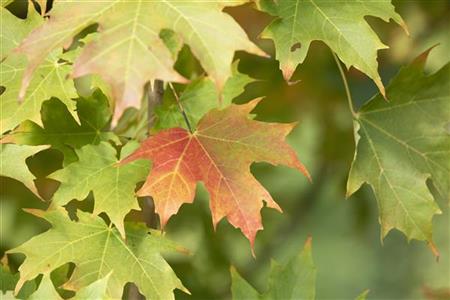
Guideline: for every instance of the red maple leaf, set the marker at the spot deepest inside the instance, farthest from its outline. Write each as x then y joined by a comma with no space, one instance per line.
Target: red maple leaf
219,153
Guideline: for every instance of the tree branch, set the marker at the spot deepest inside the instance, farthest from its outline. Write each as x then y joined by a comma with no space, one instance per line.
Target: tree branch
154,97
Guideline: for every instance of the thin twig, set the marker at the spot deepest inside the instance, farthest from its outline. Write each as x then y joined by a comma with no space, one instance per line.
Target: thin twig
347,89
183,112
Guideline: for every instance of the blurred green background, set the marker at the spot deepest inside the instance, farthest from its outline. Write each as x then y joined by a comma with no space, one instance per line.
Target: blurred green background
348,252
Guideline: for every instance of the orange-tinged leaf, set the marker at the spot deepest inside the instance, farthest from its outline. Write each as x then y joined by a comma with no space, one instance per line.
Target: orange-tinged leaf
219,153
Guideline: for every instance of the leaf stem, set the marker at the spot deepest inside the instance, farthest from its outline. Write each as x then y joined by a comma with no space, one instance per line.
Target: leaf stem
183,112
347,89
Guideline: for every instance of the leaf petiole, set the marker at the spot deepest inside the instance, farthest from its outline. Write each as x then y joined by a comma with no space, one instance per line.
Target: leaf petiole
183,112
347,89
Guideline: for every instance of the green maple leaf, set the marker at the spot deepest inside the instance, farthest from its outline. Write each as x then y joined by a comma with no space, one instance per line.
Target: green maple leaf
339,24
401,144
12,163
197,99
62,131
8,281
128,51
15,29
113,186
49,79
295,280
46,290
97,290
97,250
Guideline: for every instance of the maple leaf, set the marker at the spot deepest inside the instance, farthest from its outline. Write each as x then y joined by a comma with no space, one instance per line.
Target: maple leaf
46,290
402,143
62,131
219,153
15,29
96,171
295,280
128,51
339,24
97,250
8,281
199,97
12,163
97,290
48,80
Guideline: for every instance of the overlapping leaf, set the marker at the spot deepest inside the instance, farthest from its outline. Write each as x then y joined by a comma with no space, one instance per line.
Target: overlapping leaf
46,290
62,131
197,99
48,80
15,29
295,280
97,290
8,281
128,51
219,153
401,144
12,163
113,186
97,250
340,24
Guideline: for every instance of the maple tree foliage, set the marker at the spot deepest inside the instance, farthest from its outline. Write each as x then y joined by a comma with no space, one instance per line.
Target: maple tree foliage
128,51
113,186
100,251
136,103
220,156
62,131
48,80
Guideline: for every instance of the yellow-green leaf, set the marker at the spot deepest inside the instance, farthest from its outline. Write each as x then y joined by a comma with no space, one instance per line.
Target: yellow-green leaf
339,24
128,51
113,186
13,165
97,250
